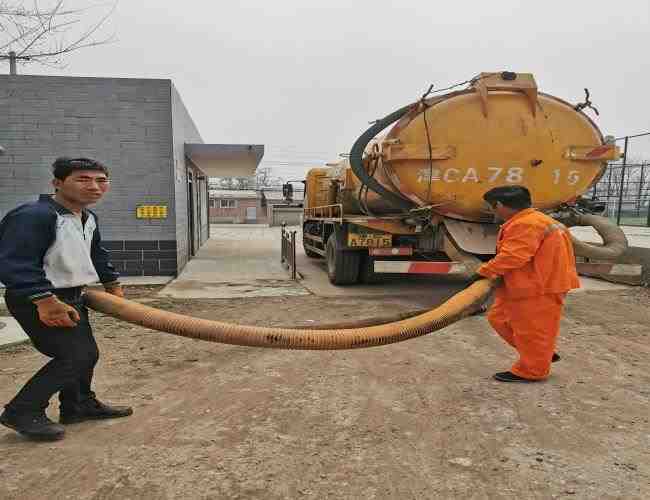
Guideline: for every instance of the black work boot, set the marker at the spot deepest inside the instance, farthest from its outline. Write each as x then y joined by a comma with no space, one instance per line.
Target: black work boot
34,425
92,409
511,377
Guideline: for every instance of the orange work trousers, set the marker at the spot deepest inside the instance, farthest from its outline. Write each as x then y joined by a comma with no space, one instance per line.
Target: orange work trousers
530,325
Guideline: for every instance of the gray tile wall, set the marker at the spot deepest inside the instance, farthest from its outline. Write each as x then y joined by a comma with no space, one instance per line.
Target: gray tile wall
124,123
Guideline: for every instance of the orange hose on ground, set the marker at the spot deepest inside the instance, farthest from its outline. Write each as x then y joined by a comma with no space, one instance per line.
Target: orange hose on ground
457,307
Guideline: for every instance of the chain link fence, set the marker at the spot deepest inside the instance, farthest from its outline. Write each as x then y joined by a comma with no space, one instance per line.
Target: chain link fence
625,186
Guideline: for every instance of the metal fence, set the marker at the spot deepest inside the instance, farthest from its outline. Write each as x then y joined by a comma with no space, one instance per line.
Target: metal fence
625,186
288,253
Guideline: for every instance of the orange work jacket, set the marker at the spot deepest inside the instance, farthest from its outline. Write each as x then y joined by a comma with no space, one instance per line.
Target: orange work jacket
534,256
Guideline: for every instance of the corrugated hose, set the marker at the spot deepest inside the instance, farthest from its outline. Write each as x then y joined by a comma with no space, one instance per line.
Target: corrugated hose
461,305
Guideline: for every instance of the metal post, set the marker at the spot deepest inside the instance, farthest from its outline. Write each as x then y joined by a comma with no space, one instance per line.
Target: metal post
609,182
609,190
282,252
620,194
647,197
293,255
638,203
12,63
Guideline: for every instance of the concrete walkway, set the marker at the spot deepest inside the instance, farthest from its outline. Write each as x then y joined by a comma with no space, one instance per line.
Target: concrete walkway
237,261
244,261
636,236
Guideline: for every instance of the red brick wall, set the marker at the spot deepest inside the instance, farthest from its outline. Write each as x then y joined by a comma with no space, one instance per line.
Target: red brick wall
237,215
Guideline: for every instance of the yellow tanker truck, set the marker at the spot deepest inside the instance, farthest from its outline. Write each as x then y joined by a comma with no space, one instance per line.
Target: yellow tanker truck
410,201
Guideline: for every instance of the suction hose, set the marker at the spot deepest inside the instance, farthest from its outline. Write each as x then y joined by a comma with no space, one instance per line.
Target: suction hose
457,307
614,239
356,159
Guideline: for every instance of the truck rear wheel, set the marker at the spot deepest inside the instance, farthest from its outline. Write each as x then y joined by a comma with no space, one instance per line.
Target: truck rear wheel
342,265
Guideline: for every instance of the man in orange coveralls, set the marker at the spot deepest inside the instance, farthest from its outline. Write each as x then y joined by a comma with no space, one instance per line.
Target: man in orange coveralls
536,261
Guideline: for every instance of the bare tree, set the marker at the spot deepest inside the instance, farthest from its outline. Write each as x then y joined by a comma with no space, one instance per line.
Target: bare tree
263,179
31,32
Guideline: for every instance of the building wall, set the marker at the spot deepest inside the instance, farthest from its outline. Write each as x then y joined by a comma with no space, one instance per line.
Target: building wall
126,124
291,216
138,128
184,130
237,215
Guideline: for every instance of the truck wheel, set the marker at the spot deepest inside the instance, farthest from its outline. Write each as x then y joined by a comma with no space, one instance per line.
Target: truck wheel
342,265
310,253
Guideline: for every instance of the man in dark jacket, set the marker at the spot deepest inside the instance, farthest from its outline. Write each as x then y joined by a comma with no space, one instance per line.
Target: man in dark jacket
49,251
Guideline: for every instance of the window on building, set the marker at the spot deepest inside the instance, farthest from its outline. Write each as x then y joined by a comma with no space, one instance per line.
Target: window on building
228,203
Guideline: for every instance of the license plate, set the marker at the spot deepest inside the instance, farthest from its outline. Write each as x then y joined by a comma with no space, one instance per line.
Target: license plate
369,240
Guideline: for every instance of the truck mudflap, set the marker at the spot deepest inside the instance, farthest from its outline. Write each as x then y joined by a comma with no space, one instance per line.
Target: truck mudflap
418,267
473,237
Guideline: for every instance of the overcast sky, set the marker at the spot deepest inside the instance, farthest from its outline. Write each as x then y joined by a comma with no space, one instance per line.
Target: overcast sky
305,77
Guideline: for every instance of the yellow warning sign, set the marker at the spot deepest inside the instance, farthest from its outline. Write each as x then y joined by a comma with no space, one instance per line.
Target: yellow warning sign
151,212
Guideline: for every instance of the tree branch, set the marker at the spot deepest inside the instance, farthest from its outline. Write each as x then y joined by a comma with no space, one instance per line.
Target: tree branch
40,34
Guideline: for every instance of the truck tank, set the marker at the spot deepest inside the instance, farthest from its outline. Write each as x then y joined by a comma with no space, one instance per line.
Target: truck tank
445,152
411,200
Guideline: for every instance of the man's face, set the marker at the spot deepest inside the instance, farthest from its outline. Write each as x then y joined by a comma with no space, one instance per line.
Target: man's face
83,187
500,212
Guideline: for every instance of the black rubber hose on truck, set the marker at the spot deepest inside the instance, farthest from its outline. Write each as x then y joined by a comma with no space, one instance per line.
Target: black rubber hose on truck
356,159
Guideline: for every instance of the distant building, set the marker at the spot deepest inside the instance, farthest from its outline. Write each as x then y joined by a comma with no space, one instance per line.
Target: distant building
156,216
229,206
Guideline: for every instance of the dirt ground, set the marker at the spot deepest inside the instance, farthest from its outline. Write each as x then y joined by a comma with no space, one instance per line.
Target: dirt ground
419,419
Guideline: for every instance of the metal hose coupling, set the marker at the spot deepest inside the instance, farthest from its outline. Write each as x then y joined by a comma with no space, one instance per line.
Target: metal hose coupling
461,305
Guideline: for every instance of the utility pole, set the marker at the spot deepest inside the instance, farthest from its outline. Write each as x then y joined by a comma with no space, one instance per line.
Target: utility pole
13,58
12,63
620,193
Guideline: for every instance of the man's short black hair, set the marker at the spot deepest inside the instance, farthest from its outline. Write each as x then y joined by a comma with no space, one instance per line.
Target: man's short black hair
516,197
64,166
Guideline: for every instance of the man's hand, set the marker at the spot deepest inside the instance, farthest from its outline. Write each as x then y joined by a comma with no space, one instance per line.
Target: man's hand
53,312
473,277
116,290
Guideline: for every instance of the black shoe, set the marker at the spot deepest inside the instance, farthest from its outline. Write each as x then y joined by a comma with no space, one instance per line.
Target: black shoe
35,426
92,409
510,377
556,357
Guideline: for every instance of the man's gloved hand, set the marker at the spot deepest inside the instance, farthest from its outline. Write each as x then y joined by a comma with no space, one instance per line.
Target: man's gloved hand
53,312
116,290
